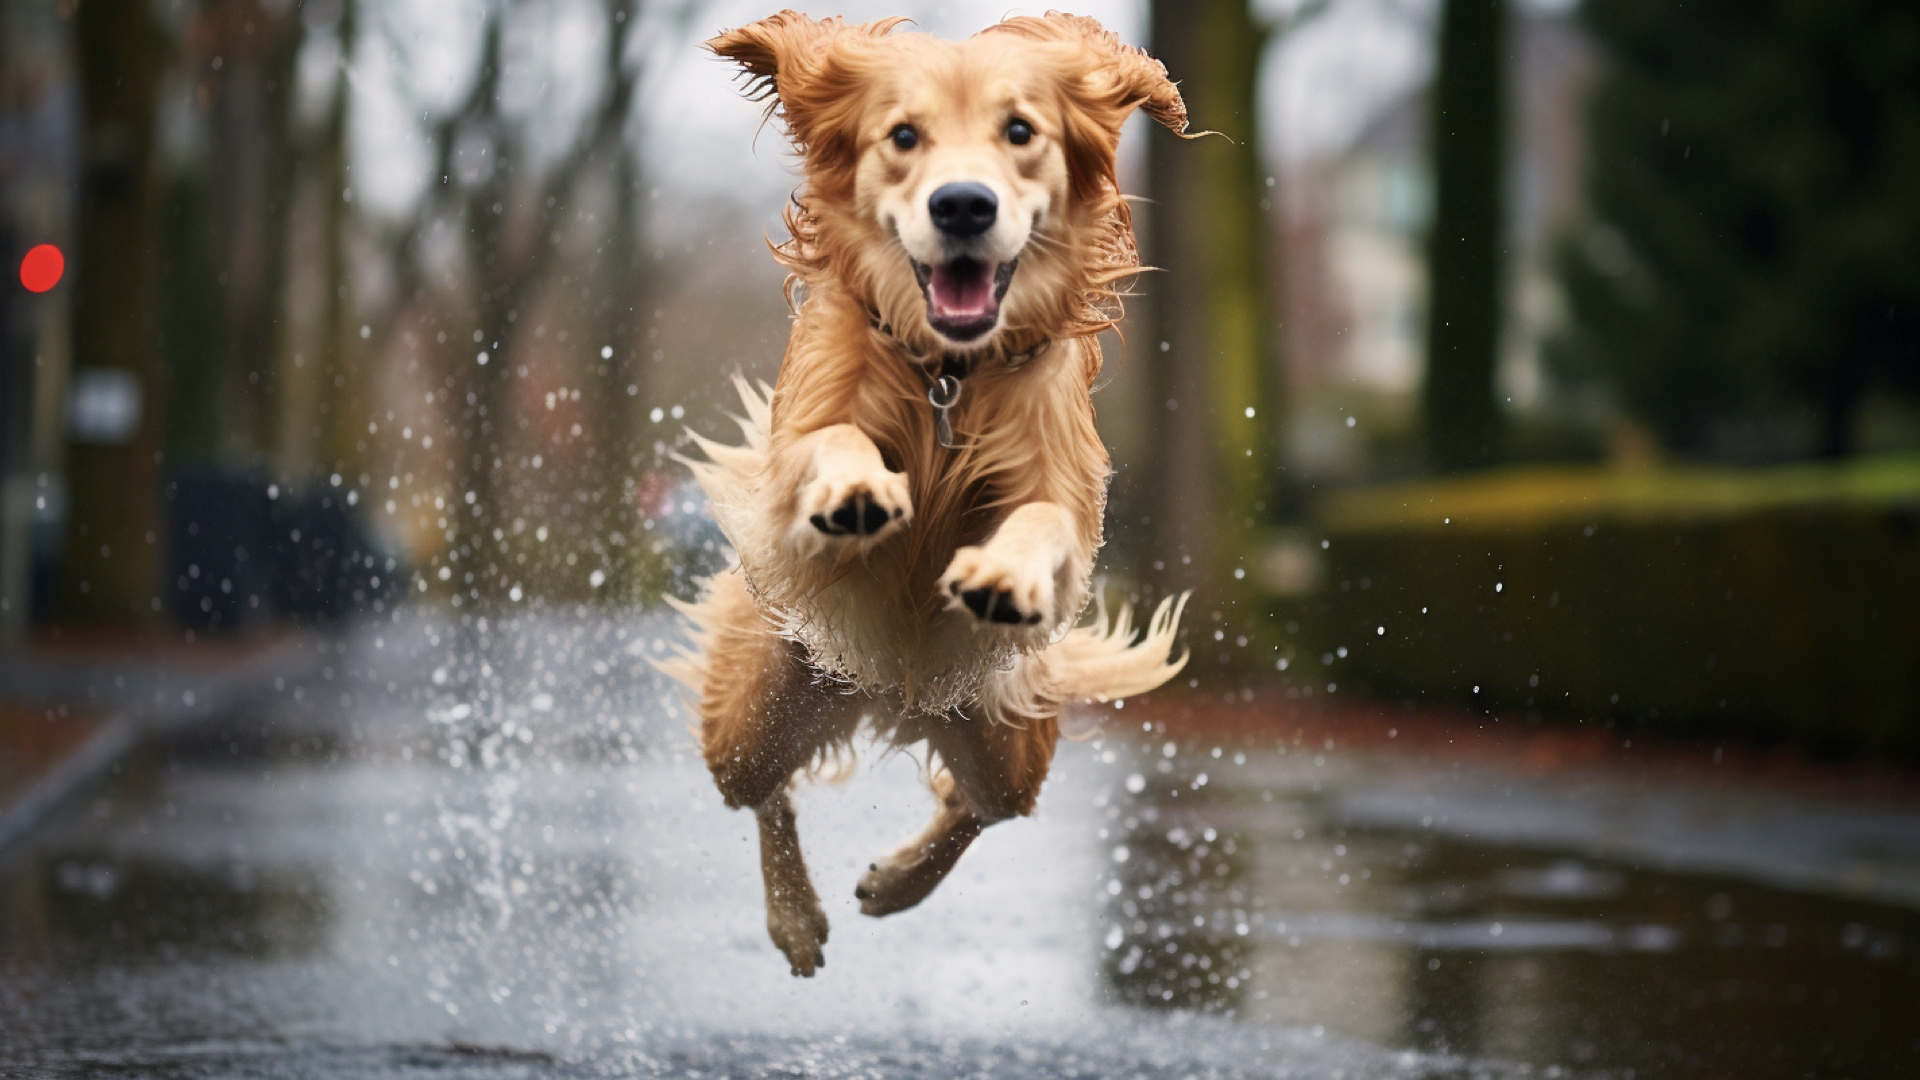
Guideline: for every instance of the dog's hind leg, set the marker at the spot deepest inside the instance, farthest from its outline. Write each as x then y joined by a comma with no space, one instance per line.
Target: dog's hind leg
904,878
794,920
762,719
990,772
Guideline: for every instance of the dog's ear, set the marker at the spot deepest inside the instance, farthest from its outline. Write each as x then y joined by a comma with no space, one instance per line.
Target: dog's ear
1115,78
796,64
1102,82
778,45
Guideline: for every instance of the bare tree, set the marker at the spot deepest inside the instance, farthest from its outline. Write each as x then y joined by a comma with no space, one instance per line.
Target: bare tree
514,224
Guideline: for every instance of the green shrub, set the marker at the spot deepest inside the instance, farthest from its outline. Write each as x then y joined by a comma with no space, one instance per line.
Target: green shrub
1776,605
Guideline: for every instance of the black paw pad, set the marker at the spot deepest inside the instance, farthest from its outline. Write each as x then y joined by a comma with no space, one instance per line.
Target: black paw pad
996,606
858,516
1004,610
977,601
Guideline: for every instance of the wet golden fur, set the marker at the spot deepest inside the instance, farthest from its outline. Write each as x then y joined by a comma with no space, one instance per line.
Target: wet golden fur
815,632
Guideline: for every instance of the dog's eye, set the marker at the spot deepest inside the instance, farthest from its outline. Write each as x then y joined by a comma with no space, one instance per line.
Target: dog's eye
1019,132
905,138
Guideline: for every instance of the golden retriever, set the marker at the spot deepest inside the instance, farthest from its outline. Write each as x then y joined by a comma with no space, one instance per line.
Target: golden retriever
918,501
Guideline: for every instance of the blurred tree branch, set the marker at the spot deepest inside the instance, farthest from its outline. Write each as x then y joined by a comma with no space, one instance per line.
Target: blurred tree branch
514,233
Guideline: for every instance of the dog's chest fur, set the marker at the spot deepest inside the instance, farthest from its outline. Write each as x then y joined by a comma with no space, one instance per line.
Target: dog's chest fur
875,619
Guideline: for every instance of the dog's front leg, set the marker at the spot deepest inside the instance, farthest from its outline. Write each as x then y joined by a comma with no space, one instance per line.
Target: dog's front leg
1031,572
843,493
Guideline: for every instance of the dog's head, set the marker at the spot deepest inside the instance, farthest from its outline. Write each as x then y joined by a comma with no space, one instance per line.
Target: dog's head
961,189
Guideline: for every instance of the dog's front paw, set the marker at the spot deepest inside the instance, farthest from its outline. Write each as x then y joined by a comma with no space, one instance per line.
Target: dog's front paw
861,508
998,589
798,928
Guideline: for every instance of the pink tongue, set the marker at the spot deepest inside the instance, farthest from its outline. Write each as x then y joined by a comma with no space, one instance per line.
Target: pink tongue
962,289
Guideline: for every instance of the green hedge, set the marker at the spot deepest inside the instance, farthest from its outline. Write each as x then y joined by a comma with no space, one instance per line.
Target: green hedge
1774,605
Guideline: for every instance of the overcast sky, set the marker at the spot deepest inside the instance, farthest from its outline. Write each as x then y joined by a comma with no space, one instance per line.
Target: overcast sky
1324,81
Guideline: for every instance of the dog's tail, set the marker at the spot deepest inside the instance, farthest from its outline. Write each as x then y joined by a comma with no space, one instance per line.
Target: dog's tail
1101,661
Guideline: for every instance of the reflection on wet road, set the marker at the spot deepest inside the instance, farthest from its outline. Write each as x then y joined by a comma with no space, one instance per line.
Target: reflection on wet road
495,854
1240,886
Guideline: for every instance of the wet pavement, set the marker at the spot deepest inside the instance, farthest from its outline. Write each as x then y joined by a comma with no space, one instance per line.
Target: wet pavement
492,852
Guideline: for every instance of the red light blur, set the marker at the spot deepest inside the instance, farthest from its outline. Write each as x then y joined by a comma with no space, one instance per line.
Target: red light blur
42,267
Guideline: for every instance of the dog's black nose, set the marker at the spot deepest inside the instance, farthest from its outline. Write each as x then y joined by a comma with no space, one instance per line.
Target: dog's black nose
963,209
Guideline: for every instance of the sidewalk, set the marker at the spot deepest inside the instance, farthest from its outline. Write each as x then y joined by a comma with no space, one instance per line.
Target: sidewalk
1774,817
71,708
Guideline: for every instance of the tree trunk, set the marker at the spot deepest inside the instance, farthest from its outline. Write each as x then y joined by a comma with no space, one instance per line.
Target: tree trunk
1217,390
252,180
617,378
1843,385
310,256
1465,251
111,569
338,425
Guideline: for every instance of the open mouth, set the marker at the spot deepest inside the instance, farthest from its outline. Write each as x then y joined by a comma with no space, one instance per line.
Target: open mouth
963,296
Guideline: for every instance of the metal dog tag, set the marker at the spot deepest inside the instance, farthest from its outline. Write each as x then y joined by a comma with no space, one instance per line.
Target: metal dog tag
943,395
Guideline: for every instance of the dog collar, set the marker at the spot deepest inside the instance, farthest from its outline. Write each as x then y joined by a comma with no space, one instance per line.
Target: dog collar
942,374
